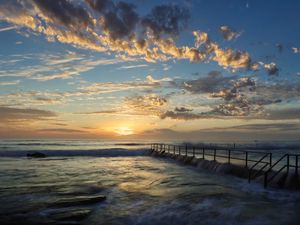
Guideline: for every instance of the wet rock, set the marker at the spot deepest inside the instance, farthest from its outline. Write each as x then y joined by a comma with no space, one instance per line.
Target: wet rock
80,200
36,155
76,214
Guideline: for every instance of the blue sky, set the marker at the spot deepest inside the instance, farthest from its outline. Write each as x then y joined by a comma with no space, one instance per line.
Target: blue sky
75,69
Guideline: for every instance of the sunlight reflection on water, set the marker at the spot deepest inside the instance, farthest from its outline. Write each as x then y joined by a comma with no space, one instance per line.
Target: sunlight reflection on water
139,190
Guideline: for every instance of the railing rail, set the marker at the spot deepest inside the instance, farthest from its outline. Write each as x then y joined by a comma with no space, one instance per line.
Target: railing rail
259,170
287,165
257,162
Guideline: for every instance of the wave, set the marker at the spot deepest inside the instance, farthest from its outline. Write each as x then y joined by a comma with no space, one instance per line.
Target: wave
112,152
38,144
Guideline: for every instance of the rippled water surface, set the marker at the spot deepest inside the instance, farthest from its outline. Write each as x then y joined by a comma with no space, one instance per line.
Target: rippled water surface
139,190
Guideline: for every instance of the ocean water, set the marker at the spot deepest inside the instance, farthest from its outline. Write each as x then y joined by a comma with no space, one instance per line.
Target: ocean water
66,187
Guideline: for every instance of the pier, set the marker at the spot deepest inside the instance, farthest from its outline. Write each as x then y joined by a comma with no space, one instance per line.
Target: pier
281,171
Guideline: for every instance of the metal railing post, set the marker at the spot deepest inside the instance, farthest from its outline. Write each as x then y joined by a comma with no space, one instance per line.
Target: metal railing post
186,150
296,165
214,154
288,164
203,153
246,160
174,148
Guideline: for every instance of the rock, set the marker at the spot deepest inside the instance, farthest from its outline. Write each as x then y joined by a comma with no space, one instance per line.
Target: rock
70,214
36,155
81,200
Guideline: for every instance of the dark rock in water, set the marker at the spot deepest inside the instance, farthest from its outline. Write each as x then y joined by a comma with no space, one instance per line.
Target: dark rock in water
80,200
70,214
36,155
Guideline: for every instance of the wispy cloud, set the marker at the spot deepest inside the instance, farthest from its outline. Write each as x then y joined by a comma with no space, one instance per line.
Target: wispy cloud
7,28
133,66
56,66
10,114
9,83
61,130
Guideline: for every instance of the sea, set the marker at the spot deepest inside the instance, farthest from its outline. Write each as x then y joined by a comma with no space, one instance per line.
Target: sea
96,182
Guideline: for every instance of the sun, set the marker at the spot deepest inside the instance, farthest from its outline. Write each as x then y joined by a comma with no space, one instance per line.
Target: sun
124,131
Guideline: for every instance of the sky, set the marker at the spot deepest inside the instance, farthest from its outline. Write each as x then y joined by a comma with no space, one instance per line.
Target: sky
200,70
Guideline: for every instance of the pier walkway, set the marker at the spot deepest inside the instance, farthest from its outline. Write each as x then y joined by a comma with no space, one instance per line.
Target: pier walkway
270,169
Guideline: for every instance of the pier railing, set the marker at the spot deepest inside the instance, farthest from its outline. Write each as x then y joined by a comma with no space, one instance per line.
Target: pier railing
257,162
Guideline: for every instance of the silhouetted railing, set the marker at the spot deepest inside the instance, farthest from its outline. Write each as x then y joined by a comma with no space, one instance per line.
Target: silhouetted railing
257,162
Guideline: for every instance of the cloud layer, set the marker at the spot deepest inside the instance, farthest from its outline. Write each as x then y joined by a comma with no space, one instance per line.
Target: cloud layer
117,27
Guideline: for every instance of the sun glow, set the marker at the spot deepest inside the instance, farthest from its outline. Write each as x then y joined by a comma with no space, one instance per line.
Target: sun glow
124,131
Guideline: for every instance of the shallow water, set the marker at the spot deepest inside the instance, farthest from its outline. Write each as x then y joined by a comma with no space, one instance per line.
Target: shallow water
140,190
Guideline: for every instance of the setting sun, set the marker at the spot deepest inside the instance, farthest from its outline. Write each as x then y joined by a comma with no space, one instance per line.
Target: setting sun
124,131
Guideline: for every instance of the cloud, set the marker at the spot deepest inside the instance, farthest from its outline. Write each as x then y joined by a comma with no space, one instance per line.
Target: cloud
10,83
107,26
214,81
271,68
133,66
182,109
290,113
47,67
296,50
200,38
18,13
228,33
109,87
181,115
31,98
61,130
7,28
244,82
10,114
226,58
266,127
151,105
247,133
119,20
166,19
101,112
63,12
